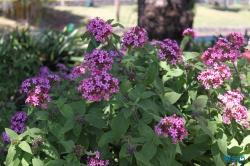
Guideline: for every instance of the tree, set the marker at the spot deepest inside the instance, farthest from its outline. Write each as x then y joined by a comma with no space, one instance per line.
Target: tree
62,2
117,9
165,18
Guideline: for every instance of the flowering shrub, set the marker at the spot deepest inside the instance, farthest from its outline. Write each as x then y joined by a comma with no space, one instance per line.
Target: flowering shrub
152,103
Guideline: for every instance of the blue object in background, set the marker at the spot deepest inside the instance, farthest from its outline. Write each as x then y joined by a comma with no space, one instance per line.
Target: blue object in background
89,3
71,27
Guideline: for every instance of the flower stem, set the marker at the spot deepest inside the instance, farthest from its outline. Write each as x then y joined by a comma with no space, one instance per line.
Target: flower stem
115,48
133,108
240,81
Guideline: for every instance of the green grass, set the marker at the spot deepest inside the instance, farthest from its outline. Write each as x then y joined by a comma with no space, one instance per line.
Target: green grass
205,16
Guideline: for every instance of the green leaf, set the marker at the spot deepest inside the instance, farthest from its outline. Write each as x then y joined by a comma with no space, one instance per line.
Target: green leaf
152,73
159,85
50,150
184,42
118,24
109,21
217,155
241,63
77,129
56,130
95,121
11,154
245,141
67,111
236,82
26,159
162,157
147,104
90,48
69,124
204,127
68,145
189,55
127,112
193,151
146,131
149,149
55,162
123,150
10,133
37,162
172,97
119,126
222,142
85,35
125,86
25,147
141,158
105,138
147,94
60,102
175,72
201,102
117,37
42,115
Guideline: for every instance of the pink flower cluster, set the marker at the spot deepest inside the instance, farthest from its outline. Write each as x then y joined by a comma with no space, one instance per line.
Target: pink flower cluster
214,76
96,161
232,108
224,50
37,89
168,50
99,85
136,37
99,60
173,127
246,55
190,32
100,29
78,71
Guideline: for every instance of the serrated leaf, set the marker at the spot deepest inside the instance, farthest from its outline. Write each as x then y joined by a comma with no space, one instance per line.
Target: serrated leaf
68,145
85,35
37,162
68,125
55,162
159,85
125,86
117,37
95,121
222,142
90,47
26,159
119,126
193,151
77,129
118,24
147,104
201,102
25,147
149,149
245,141
172,97
141,158
10,155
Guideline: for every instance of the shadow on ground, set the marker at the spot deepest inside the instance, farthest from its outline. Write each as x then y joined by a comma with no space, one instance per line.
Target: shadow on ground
228,10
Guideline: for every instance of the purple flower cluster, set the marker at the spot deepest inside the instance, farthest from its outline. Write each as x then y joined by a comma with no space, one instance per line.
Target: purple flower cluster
224,50
63,71
232,108
37,89
17,124
78,71
99,85
168,50
214,76
99,60
100,29
136,37
96,161
190,32
173,127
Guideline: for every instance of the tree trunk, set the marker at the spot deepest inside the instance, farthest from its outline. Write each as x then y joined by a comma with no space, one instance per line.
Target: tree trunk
62,2
165,18
117,9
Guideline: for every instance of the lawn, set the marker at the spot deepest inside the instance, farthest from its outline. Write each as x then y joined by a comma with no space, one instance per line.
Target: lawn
206,16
